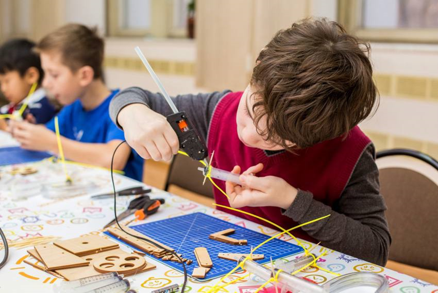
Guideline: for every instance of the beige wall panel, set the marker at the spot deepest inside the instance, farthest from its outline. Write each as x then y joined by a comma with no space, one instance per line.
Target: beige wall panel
47,15
271,16
230,35
223,42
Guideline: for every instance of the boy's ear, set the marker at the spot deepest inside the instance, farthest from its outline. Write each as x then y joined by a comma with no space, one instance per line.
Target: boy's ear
32,75
86,75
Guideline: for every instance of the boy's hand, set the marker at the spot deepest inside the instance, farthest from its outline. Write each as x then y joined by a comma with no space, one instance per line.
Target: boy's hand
260,191
3,125
148,132
33,137
30,118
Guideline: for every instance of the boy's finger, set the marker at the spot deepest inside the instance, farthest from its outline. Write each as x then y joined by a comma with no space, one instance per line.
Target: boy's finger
30,118
153,151
164,148
172,140
230,187
142,152
253,182
20,134
254,169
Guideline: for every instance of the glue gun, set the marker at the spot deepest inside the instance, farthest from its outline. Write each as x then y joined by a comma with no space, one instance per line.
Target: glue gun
189,140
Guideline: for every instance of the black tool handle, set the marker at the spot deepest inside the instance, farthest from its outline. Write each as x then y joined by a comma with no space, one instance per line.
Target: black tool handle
189,140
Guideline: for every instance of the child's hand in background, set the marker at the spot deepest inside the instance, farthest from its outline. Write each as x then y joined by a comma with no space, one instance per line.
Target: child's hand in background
30,118
260,191
4,125
148,133
33,137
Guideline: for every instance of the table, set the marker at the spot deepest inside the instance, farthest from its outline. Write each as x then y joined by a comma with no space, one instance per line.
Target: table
79,215
6,140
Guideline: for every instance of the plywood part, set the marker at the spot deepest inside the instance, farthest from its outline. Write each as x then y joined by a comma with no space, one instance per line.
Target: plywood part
203,257
56,258
200,272
82,272
86,245
220,236
120,263
34,254
140,244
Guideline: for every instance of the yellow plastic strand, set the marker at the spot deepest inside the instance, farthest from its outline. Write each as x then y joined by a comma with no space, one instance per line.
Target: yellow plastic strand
271,280
266,241
264,284
263,219
308,265
23,107
26,101
61,152
232,282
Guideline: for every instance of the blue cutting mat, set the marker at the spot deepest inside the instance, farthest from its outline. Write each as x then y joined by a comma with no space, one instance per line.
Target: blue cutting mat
17,155
185,233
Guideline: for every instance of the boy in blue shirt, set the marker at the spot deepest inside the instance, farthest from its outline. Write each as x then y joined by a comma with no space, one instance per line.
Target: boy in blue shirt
72,58
20,68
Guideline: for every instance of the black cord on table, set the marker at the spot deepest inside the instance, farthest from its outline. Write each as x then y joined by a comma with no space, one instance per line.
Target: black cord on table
117,221
6,248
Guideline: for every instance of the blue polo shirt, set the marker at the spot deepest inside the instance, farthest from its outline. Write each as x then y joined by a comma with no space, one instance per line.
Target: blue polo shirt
95,126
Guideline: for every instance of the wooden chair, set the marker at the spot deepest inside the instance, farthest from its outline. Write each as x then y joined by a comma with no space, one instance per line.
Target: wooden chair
185,179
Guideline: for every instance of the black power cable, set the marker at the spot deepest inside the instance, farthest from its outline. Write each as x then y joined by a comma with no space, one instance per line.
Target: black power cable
6,248
141,238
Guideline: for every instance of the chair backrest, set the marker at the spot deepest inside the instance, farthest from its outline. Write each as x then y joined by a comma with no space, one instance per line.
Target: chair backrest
184,173
409,184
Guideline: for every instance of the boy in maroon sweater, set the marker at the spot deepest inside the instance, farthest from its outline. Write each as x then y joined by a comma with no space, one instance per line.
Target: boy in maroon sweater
295,128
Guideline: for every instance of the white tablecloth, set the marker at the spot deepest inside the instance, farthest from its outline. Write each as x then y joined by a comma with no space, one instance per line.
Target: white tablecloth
69,218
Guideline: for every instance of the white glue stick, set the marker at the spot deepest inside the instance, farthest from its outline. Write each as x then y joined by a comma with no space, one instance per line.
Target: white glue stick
222,175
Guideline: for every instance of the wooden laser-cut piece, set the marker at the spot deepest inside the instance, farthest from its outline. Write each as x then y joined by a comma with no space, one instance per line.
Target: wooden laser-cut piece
42,268
200,272
238,256
138,243
54,257
34,254
83,272
221,236
203,257
86,245
120,263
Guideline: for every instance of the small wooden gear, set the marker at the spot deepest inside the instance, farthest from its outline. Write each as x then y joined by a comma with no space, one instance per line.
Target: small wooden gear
120,263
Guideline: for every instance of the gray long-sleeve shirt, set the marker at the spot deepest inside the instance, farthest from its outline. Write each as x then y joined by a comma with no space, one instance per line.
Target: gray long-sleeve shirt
357,225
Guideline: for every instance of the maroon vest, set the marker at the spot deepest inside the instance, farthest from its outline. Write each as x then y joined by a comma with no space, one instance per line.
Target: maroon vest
323,169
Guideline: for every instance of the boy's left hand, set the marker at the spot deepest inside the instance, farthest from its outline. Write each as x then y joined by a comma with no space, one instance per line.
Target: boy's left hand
32,136
260,191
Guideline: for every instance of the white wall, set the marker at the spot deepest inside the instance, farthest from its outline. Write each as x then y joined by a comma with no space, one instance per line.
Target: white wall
407,117
88,12
175,50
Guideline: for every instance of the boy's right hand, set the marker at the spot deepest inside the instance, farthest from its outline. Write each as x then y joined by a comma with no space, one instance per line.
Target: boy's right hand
148,132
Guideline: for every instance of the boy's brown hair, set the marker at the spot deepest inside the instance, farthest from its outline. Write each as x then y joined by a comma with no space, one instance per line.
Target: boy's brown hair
315,81
79,46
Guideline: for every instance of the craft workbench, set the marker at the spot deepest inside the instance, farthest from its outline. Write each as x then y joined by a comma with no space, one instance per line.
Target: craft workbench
73,217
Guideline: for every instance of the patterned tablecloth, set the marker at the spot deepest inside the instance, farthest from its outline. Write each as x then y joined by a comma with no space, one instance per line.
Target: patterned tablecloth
45,214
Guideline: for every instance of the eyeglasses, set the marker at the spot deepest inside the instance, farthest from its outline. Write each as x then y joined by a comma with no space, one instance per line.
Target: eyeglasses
4,249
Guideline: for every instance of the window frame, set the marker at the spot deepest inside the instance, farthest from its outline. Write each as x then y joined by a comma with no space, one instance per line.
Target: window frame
350,15
161,27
